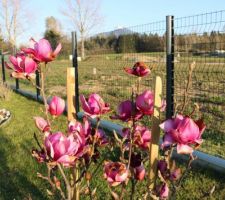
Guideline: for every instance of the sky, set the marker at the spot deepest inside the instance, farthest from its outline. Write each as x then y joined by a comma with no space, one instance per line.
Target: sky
118,13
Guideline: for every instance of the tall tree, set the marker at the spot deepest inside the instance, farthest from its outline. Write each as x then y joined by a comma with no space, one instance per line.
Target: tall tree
84,15
12,19
51,23
53,31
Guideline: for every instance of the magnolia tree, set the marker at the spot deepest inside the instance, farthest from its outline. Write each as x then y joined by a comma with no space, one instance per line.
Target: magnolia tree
71,157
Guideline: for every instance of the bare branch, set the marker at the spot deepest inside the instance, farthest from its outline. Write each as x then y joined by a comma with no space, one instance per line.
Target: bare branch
84,15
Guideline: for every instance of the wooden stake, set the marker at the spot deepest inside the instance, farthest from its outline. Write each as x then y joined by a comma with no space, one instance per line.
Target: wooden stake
154,146
71,111
71,115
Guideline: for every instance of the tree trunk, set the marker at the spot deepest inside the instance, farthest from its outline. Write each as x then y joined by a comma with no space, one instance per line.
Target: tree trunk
82,48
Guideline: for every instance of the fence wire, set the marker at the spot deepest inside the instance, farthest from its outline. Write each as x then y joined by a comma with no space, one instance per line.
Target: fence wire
201,38
198,38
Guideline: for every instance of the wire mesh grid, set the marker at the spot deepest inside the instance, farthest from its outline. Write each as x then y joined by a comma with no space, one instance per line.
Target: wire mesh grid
201,38
108,53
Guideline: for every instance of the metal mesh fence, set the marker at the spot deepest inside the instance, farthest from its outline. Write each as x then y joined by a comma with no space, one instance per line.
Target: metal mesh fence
198,38
201,38
102,70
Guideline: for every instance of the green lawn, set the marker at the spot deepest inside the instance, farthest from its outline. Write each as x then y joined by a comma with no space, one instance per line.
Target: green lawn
18,169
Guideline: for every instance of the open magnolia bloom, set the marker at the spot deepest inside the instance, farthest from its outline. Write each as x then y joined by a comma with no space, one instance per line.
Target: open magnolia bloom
94,106
115,172
126,111
184,132
64,150
139,69
145,102
42,50
23,67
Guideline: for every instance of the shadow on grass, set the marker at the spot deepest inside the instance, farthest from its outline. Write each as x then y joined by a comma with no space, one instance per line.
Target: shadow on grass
14,183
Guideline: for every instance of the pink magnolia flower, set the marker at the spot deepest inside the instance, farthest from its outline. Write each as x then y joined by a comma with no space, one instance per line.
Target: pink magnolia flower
42,51
124,111
184,132
101,138
94,105
142,136
139,172
164,191
163,105
42,124
145,102
175,174
75,126
39,155
115,172
64,150
139,69
23,67
56,106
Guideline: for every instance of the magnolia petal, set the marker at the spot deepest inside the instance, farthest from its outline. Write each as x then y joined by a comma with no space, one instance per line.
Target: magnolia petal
167,125
13,60
18,75
67,160
57,50
184,149
85,104
44,48
30,65
167,140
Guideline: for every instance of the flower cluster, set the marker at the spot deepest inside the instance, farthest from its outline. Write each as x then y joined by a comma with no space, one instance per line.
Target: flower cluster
25,63
79,147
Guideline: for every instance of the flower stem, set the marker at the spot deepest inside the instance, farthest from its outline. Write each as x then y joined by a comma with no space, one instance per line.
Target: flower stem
43,94
68,187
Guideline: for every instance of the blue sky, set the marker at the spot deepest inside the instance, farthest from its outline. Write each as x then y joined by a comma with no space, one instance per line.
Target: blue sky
121,12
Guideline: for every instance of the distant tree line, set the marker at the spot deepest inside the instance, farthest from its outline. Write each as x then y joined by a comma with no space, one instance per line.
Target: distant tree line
128,43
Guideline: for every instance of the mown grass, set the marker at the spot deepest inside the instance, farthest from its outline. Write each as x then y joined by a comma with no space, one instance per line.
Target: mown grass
18,169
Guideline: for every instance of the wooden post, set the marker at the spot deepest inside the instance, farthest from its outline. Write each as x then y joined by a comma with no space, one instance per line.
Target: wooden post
154,146
71,115
71,111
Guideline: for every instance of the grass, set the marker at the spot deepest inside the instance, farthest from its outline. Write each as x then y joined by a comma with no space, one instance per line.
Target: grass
18,169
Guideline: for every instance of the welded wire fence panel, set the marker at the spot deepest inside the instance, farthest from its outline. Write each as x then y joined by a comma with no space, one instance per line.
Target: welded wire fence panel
201,38
106,55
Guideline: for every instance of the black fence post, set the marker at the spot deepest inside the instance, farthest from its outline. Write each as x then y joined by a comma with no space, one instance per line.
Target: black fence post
37,84
3,67
169,66
75,65
17,84
17,80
